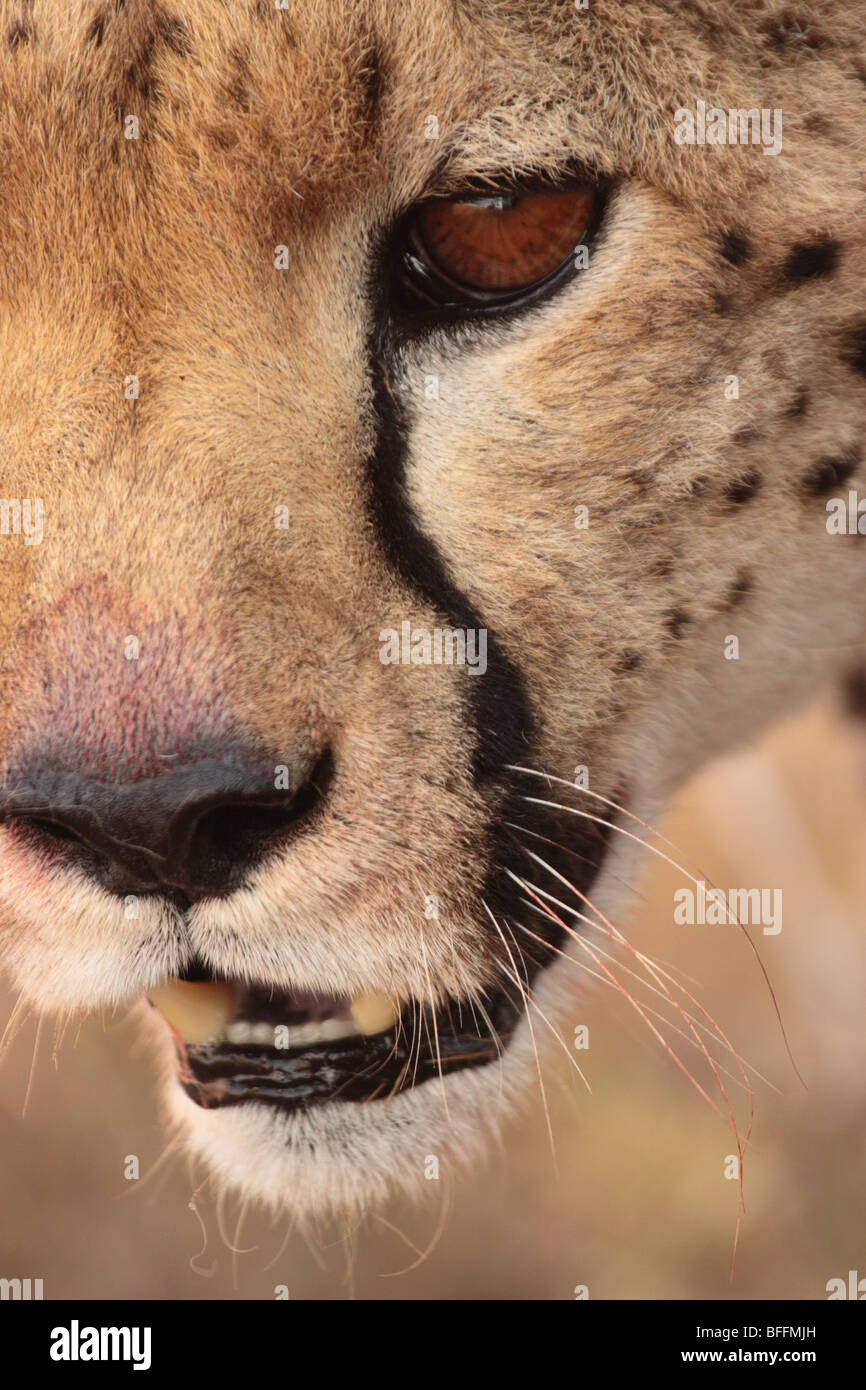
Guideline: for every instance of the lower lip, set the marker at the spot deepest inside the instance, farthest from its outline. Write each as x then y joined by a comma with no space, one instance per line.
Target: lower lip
368,1069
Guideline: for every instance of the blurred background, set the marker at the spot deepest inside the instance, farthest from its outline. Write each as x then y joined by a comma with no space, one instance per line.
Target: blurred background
638,1205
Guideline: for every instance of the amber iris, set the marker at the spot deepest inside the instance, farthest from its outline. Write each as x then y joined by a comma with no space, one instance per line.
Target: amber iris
505,242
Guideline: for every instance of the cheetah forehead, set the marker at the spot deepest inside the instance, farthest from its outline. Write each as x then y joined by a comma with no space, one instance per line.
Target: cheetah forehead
308,100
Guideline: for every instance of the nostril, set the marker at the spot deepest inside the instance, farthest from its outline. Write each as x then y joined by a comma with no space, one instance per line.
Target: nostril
52,830
242,830
191,832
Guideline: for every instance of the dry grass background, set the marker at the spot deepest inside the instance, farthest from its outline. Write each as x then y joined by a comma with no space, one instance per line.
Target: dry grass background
639,1206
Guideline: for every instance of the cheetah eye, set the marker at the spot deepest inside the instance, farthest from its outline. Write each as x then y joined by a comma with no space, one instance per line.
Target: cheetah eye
492,250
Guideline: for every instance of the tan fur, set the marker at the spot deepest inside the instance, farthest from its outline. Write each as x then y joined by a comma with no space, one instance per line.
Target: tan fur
155,257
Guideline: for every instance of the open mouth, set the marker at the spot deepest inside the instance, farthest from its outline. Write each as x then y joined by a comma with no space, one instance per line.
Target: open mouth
238,1042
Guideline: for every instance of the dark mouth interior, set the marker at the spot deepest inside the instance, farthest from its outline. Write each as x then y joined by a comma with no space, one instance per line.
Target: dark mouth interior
424,1043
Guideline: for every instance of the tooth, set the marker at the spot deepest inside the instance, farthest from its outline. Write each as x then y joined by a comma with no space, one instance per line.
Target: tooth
243,1032
199,1011
373,1013
337,1028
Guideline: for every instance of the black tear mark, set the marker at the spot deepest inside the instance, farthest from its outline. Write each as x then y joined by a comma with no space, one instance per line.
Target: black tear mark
676,621
499,703
799,405
744,488
855,350
830,472
497,708
740,589
808,260
735,247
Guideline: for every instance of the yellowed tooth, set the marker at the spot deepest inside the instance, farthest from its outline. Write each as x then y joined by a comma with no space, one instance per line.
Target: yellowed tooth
373,1013
200,1012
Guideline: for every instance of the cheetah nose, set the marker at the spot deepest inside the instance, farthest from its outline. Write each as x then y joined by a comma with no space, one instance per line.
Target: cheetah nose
192,832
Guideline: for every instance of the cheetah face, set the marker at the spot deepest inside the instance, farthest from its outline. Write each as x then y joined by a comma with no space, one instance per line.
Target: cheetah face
397,424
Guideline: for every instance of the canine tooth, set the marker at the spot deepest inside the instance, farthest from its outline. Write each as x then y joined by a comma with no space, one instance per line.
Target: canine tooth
373,1013
198,1011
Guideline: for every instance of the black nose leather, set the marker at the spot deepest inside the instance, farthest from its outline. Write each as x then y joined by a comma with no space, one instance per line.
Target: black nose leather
193,831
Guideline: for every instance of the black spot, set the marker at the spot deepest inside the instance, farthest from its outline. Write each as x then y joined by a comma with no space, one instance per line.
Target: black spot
175,36
699,485
818,124
799,405
640,478
735,247
676,621
855,353
740,589
746,434
18,34
830,472
629,660
662,568
96,30
744,488
722,303
238,82
810,259
793,28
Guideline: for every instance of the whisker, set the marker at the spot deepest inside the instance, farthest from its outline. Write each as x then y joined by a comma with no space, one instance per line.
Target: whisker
565,849
658,974
532,1037
645,984
559,1038
32,1067
650,964
14,1024
634,1003
732,920
475,1000
428,1249
435,1028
